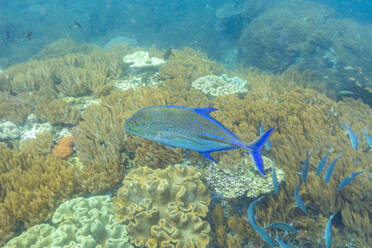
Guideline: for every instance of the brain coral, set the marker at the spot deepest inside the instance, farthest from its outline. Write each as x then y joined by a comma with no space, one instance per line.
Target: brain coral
164,207
80,222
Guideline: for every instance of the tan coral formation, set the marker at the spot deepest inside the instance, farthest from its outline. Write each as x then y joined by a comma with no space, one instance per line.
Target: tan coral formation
164,207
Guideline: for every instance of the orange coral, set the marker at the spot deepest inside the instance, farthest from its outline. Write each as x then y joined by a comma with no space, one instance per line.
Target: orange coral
64,149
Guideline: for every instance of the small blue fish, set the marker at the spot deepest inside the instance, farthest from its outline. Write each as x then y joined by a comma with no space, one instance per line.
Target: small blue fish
369,139
275,180
347,180
305,167
328,233
352,136
262,131
298,199
283,226
329,171
252,220
321,164
191,128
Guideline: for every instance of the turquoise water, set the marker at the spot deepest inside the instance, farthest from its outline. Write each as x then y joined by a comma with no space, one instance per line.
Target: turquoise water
72,73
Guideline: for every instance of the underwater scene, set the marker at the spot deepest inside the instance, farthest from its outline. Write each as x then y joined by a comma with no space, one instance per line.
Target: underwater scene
186,124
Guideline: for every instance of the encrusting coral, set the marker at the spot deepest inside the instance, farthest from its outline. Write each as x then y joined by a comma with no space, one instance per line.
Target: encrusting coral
64,148
164,207
79,222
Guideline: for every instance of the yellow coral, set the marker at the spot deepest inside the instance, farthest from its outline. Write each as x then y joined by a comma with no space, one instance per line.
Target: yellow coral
164,207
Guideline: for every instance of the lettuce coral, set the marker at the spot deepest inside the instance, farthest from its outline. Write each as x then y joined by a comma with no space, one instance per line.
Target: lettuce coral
164,207
80,222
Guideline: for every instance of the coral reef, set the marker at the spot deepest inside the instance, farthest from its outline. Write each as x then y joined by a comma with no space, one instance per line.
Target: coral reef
64,148
304,120
142,60
222,85
299,38
32,185
57,112
8,130
164,207
79,222
241,179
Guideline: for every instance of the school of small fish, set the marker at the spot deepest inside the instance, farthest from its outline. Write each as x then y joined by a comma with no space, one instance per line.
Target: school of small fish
195,129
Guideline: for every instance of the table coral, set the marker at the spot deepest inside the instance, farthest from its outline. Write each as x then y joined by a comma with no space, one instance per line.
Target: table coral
164,207
64,148
79,222
142,60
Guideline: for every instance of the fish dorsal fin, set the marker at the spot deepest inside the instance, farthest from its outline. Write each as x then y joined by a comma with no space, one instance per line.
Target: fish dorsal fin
205,111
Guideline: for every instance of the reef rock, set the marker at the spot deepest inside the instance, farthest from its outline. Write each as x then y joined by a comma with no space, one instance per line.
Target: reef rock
164,207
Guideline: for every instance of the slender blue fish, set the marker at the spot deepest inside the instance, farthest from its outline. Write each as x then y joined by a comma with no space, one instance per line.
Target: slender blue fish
352,136
369,139
321,164
347,180
262,131
329,171
275,180
328,233
252,220
191,128
305,167
298,199
282,226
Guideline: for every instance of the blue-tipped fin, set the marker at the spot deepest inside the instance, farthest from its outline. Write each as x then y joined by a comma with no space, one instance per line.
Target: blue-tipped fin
208,156
255,148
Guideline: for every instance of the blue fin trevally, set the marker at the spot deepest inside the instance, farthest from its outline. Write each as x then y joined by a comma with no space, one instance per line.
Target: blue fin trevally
369,138
321,164
262,131
347,180
298,199
191,128
328,233
329,171
352,136
252,220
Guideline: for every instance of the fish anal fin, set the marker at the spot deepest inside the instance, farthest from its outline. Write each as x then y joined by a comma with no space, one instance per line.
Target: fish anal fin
208,156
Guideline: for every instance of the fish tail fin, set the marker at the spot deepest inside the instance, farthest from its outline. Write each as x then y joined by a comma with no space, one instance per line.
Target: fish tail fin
255,149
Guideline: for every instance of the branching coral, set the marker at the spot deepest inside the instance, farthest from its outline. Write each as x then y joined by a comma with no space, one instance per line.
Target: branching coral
32,185
304,120
164,207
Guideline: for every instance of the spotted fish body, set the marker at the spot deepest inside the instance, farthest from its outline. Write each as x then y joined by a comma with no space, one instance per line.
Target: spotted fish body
191,128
